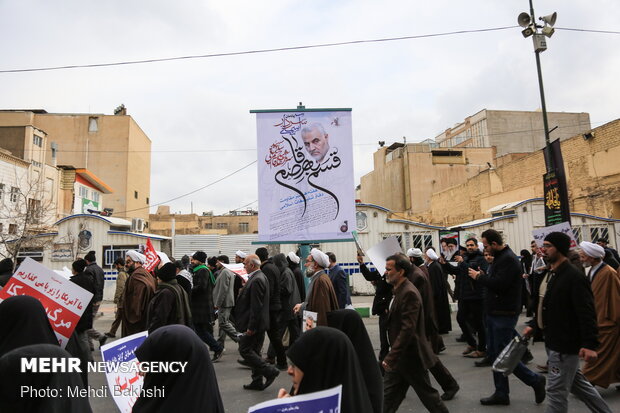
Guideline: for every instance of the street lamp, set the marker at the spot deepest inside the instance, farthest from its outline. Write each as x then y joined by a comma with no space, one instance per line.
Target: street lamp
554,181
530,28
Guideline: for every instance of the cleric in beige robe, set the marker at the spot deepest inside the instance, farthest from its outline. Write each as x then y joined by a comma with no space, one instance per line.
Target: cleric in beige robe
321,296
605,284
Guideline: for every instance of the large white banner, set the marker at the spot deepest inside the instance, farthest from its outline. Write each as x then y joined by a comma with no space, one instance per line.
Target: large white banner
305,176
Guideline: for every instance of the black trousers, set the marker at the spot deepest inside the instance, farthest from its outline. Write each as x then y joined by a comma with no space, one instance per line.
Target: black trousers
275,336
383,336
250,349
397,382
470,317
443,376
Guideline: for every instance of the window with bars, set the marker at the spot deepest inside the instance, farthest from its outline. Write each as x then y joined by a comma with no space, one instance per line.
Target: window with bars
398,236
599,233
422,241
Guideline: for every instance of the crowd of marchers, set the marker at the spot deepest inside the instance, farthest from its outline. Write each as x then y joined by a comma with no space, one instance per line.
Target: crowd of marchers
576,313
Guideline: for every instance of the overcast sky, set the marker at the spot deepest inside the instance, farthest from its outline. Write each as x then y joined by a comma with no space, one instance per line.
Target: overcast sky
196,112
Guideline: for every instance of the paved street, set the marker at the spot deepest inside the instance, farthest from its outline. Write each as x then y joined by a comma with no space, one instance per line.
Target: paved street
475,382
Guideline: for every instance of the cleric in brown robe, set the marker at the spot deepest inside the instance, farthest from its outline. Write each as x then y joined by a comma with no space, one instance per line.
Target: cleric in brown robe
605,284
321,297
139,291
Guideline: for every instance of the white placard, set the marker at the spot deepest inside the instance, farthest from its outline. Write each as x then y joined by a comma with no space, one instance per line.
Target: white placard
540,233
63,300
309,321
238,269
320,401
123,386
305,176
381,251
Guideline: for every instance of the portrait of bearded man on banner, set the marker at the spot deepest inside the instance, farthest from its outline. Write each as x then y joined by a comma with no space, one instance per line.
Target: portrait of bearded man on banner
305,176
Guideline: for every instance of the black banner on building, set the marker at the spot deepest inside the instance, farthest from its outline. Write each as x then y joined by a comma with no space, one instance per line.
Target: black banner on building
555,190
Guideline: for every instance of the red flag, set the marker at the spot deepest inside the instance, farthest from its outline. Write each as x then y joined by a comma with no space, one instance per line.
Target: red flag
152,259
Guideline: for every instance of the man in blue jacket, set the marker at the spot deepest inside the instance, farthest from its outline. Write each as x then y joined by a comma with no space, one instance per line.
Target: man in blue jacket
339,281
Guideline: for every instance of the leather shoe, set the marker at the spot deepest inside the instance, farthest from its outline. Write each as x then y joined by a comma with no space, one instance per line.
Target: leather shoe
282,366
243,362
217,355
485,362
270,377
102,340
539,390
494,400
450,393
255,385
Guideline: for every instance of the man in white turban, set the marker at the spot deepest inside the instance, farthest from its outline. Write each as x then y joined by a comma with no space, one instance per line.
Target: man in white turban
321,297
293,257
605,285
163,259
240,256
135,256
139,291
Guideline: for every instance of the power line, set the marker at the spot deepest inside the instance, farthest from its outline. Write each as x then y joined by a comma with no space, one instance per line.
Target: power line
568,29
243,206
272,50
189,193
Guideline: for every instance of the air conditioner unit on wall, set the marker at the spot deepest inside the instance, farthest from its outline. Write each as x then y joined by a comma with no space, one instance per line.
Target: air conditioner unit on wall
137,225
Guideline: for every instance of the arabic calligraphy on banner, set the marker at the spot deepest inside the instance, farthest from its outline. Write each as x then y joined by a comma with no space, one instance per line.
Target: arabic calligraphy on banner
63,300
305,169
125,385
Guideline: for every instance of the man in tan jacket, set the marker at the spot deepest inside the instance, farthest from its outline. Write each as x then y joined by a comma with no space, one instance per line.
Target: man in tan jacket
121,279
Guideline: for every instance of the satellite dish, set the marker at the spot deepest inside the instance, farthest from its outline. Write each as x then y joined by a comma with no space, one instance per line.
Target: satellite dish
524,19
549,19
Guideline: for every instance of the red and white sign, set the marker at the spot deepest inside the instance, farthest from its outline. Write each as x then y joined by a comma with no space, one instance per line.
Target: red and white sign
63,300
238,269
152,259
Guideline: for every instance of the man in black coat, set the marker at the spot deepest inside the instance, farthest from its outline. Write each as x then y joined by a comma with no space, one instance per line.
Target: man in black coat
276,292
568,318
503,305
252,316
470,304
78,344
380,304
96,272
201,303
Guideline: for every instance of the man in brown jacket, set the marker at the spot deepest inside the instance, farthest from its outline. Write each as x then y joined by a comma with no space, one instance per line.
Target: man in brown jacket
605,285
139,291
410,354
